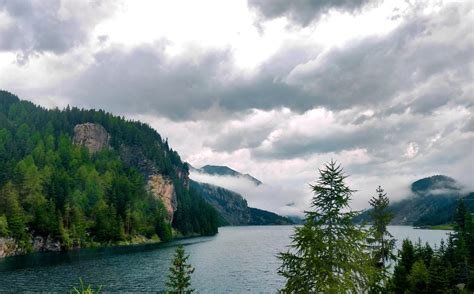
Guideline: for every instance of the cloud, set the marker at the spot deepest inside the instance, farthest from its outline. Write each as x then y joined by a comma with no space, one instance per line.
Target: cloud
385,89
422,65
268,197
49,26
303,12
378,69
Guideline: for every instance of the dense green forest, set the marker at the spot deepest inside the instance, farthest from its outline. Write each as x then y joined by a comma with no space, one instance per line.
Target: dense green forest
447,269
330,254
53,188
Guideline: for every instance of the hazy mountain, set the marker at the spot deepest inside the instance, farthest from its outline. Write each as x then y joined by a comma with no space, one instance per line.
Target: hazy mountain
433,201
219,170
234,208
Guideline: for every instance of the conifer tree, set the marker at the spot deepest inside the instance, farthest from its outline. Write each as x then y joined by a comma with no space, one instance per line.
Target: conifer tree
179,279
438,276
406,255
418,278
380,240
327,253
10,206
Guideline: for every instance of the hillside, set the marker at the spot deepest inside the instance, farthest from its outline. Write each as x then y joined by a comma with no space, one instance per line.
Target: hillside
433,201
219,170
71,178
234,209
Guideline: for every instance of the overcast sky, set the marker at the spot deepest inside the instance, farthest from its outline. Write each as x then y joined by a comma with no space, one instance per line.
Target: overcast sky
270,88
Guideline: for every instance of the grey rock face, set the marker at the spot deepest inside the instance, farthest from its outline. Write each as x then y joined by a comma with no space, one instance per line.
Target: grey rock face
92,136
45,245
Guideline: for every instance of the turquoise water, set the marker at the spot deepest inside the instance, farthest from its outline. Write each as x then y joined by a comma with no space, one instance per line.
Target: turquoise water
237,260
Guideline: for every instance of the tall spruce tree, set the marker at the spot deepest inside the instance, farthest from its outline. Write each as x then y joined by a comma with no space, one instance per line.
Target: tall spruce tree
406,258
179,279
380,240
328,253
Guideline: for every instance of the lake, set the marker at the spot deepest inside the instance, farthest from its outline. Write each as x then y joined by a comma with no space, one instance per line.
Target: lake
237,260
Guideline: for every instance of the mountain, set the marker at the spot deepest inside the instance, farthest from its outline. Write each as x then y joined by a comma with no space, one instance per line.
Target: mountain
219,170
74,177
433,201
234,209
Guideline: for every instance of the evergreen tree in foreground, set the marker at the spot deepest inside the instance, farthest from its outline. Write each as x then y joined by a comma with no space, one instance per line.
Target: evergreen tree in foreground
328,254
179,279
380,240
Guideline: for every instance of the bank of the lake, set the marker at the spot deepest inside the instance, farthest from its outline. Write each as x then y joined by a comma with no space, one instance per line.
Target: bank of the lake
238,259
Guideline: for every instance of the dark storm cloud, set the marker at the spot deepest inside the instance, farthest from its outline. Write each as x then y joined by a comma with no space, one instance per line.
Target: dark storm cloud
49,25
376,69
433,53
303,12
144,80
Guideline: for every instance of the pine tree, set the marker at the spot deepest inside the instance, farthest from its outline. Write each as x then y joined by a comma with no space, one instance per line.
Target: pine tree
380,240
328,252
418,278
438,280
406,255
179,279
460,240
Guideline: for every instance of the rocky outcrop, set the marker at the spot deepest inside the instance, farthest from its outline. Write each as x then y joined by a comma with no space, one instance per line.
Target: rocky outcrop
9,247
163,189
41,244
92,136
96,138
133,156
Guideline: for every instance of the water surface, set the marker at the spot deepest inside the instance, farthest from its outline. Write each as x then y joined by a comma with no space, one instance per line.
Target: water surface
237,260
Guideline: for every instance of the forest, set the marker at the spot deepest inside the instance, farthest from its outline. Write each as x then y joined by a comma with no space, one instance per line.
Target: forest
53,188
330,254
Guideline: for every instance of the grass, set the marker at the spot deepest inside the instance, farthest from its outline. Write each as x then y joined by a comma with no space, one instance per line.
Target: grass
85,290
448,227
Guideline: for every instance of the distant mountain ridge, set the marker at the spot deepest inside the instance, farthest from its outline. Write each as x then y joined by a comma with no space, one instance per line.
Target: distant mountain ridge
221,170
433,202
234,208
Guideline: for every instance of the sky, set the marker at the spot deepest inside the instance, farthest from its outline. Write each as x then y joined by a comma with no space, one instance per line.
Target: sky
270,88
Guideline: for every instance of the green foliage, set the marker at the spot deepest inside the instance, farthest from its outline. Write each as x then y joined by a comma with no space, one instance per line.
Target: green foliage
449,269
85,290
380,240
328,252
418,278
15,215
4,231
53,188
179,278
194,215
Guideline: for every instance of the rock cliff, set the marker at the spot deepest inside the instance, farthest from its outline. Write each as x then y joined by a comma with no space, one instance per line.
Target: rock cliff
92,136
160,186
96,138
163,189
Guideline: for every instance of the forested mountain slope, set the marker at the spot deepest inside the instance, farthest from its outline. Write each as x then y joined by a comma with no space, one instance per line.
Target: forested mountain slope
76,177
234,208
433,201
